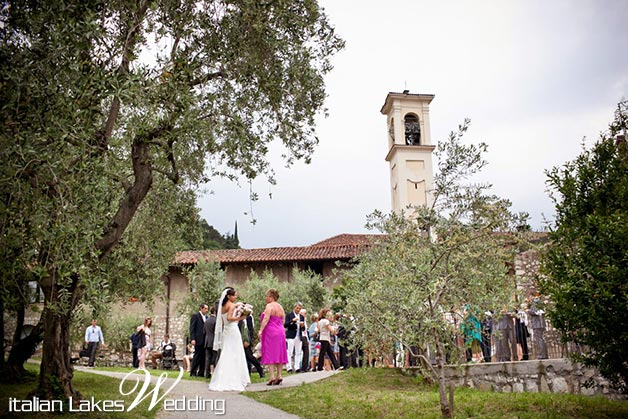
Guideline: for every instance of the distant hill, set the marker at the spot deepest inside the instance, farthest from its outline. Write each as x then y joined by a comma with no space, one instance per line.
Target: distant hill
212,239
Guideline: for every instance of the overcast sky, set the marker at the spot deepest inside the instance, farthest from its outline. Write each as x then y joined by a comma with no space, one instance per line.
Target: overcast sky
534,77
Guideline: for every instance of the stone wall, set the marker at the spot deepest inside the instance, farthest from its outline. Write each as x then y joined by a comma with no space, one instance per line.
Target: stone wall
547,376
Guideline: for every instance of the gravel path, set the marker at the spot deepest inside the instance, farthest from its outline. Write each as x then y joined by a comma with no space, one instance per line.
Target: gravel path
201,403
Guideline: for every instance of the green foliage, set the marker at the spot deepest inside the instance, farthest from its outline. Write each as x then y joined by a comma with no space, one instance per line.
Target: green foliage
118,330
82,113
206,281
412,286
305,286
586,262
212,239
114,112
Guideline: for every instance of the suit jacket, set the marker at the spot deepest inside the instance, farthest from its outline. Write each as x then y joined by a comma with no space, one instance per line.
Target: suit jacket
197,328
210,327
249,325
291,327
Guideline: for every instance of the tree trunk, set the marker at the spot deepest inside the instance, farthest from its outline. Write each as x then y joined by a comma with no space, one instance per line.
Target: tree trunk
445,408
19,324
2,333
21,351
56,372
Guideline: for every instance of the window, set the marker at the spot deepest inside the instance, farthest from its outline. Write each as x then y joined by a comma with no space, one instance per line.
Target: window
413,130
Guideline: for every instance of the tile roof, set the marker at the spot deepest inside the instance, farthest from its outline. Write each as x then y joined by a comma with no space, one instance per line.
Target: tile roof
340,247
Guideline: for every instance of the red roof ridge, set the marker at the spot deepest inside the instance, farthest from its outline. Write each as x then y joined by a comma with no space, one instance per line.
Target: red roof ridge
342,246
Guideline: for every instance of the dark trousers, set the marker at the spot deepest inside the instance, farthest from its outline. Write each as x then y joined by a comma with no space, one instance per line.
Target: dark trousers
91,350
344,359
521,333
326,349
210,359
136,360
251,360
305,362
486,347
198,361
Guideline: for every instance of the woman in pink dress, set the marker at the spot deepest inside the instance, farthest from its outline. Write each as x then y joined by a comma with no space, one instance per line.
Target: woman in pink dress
273,337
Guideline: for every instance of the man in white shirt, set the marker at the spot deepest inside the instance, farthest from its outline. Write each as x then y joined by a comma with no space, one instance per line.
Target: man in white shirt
93,335
294,324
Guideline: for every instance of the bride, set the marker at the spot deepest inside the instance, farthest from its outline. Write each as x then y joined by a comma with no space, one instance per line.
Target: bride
231,372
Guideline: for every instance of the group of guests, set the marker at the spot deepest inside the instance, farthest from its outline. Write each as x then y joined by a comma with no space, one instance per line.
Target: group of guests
509,333
285,341
317,346
142,347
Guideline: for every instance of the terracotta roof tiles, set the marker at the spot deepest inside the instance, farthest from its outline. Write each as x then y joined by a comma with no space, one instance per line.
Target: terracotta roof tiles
340,247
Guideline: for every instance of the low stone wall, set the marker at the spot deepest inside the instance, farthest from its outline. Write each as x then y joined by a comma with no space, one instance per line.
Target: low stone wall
548,376
106,358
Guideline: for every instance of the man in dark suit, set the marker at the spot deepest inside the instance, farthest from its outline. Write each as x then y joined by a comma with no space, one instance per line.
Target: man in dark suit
210,354
248,334
295,325
197,339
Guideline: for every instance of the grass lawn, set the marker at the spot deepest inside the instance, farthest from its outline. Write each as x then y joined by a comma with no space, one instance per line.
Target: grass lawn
386,393
89,385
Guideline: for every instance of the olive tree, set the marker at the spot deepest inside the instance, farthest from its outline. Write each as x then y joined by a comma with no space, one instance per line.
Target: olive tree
113,112
413,285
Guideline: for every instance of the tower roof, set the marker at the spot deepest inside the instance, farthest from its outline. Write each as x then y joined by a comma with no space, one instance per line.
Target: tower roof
404,95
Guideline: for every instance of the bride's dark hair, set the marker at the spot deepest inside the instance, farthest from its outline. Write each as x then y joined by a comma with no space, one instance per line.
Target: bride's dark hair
230,291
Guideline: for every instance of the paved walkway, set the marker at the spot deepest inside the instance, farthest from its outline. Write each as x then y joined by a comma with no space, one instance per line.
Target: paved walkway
212,403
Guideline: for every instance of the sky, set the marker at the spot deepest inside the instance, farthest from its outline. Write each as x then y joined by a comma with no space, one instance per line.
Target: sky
538,79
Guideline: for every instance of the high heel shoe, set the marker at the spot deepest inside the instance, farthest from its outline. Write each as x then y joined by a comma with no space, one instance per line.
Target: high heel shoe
270,383
277,381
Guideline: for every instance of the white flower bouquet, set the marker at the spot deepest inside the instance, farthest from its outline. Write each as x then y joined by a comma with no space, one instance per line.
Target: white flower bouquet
242,309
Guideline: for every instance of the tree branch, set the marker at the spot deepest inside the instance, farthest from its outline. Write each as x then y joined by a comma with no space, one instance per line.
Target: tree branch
105,133
143,180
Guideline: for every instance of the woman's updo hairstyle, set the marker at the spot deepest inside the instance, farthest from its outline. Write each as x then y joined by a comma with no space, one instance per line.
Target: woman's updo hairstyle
273,293
230,291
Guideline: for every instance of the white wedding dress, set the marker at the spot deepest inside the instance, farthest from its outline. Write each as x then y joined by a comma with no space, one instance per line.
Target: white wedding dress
231,373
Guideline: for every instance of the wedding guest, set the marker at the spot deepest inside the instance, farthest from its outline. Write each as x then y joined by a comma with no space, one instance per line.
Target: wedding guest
522,334
325,331
93,336
247,332
187,358
273,337
145,341
342,338
135,340
197,338
294,328
538,325
210,355
159,352
305,343
472,331
506,345
334,338
487,330
314,342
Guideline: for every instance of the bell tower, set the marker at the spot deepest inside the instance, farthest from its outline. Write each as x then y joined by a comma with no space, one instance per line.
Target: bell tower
409,148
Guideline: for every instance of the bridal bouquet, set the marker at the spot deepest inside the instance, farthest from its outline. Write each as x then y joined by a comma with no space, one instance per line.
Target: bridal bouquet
242,309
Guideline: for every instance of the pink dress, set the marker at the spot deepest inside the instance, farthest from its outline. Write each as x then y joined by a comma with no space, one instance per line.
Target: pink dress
274,342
